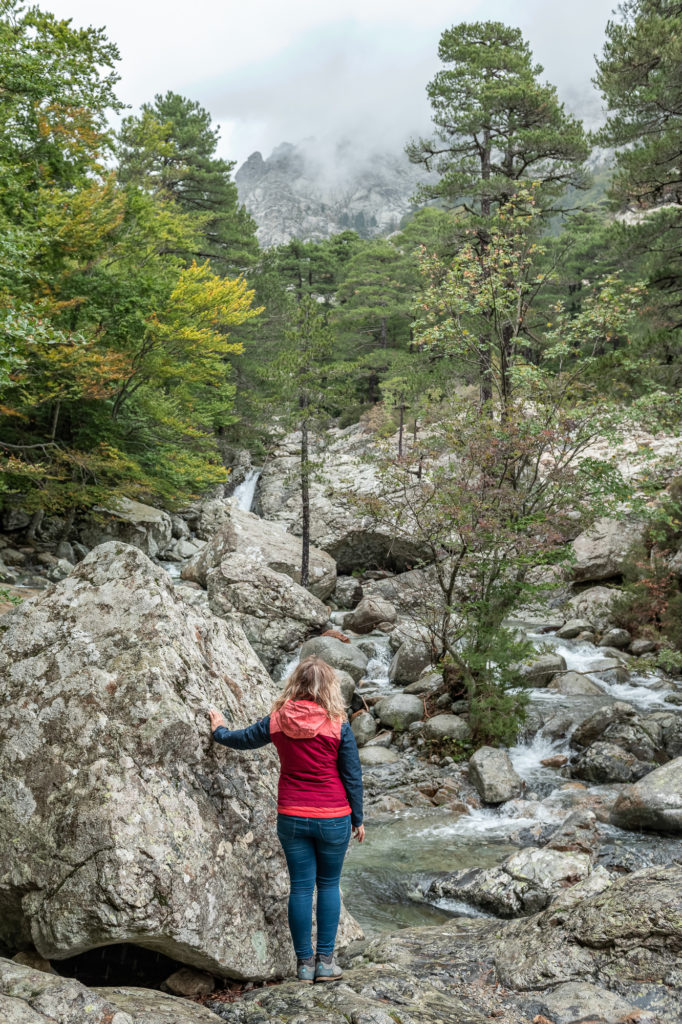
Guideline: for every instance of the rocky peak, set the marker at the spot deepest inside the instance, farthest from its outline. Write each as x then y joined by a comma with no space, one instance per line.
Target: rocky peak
312,191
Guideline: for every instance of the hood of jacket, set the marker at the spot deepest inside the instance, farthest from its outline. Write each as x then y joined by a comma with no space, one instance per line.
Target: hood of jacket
303,719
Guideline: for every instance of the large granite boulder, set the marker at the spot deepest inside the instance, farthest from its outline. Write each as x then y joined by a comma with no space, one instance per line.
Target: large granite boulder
120,819
354,540
594,605
542,669
345,657
369,613
601,552
408,592
493,775
446,727
263,543
603,763
275,613
409,661
399,710
145,527
654,802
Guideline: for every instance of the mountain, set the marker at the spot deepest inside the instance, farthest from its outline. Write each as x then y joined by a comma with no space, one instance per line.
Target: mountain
311,192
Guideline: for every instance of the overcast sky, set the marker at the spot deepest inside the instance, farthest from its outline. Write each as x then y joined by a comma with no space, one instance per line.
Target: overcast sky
283,70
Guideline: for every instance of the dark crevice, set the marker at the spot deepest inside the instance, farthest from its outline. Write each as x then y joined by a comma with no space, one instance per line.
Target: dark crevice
119,964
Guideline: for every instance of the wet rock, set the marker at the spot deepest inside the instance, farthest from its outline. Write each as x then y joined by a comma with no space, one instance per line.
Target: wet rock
573,628
542,670
8,575
145,527
595,605
377,755
493,890
555,761
35,997
369,613
629,931
548,868
262,543
408,592
450,727
274,611
399,710
59,571
654,802
579,833
601,552
493,775
122,820
364,727
381,739
573,684
617,638
347,592
603,762
411,658
339,655
596,724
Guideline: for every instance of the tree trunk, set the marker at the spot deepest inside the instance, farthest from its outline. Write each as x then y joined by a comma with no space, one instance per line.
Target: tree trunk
305,502
384,336
400,430
34,525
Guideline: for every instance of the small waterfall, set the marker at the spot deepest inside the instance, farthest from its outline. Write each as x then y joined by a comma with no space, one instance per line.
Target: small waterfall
244,492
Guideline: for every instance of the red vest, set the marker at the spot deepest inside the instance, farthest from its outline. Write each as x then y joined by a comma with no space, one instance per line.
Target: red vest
308,745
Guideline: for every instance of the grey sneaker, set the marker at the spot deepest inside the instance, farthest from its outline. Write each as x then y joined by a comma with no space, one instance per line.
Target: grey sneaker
305,970
326,968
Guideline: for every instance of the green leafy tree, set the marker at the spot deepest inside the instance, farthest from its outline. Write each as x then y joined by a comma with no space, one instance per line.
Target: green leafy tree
170,149
640,76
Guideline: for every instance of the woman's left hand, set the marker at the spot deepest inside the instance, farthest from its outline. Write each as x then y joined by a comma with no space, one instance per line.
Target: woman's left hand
217,719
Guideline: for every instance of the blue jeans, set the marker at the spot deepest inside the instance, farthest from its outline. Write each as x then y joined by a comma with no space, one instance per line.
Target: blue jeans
314,849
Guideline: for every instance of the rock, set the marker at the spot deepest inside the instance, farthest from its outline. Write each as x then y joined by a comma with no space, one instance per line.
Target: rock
641,646
654,803
347,684
364,727
409,661
29,958
596,724
262,543
492,890
179,527
14,518
274,611
629,931
346,657
382,739
59,571
595,605
148,1006
347,592
493,775
12,556
377,755
555,761
368,614
573,684
65,551
615,638
8,575
34,997
184,549
442,727
408,592
548,868
145,527
541,671
601,552
579,833
121,820
573,628
604,762
444,701
579,1000
399,710
189,982
427,683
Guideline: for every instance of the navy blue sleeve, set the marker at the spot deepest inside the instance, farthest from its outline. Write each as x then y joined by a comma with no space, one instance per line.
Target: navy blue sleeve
256,735
350,771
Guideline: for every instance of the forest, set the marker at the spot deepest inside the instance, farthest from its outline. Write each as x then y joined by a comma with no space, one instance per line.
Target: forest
143,326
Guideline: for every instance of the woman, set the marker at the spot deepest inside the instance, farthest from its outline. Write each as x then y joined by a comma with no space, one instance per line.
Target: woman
319,799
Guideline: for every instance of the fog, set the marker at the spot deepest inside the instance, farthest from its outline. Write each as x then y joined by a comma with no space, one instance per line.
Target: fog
270,72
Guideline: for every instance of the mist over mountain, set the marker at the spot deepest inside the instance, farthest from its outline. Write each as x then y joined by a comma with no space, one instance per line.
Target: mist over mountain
312,190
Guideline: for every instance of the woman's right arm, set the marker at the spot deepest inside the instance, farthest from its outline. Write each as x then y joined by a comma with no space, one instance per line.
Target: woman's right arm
256,735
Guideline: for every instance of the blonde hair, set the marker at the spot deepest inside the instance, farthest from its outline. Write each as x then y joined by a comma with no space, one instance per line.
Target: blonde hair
313,679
